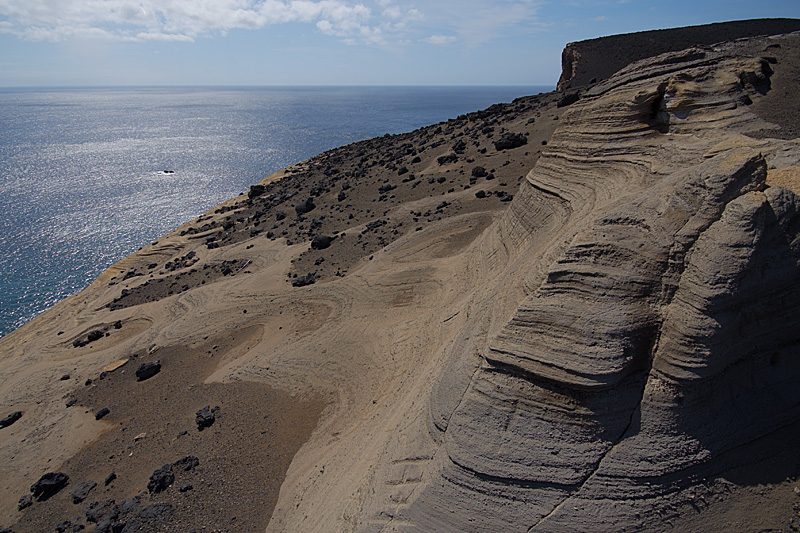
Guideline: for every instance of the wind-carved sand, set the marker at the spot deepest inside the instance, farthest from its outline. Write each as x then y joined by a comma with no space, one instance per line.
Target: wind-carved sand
615,348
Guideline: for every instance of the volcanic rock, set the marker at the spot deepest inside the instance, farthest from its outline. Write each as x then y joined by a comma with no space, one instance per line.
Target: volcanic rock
161,479
204,418
305,206
98,512
10,419
148,370
187,463
82,491
49,485
320,242
510,140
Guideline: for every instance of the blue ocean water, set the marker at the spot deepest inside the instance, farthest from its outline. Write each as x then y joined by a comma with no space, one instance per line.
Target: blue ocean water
82,181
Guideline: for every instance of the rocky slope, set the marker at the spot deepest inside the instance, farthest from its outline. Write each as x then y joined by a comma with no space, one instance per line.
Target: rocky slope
443,341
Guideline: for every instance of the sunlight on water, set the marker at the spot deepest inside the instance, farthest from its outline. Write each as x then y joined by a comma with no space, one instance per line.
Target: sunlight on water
81,171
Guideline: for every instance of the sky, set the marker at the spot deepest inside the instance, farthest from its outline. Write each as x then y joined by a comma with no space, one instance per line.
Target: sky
325,42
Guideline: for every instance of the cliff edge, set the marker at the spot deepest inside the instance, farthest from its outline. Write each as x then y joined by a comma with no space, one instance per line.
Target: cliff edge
592,60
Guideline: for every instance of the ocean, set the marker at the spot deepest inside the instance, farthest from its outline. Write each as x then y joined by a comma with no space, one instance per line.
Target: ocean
89,175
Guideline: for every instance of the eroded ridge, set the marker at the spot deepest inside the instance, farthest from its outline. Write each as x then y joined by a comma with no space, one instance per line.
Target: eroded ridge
642,364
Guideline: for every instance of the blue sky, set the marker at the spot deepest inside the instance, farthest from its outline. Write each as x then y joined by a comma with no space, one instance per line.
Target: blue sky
324,42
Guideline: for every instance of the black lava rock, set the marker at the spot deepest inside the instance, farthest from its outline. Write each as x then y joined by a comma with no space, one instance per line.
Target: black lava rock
567,99
302,281
10,419
449,158
111,477
147,370
95,335
186,487
479,172
204,418
510,140
161,479
305,206
480,194
187,463
256,190
48,485
101,413
83,490
24,502
98,512
320,242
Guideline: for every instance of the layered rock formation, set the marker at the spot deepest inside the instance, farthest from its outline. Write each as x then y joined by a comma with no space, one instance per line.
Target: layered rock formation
658,346
614,349
592,60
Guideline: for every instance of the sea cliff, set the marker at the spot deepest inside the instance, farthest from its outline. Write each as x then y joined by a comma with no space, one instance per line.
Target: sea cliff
575,311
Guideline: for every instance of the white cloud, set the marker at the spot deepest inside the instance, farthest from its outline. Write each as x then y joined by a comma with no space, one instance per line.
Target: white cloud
601,18
47,20
440,39
377,22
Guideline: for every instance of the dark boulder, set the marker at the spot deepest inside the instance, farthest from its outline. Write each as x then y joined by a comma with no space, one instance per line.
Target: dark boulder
302,281
459,146
479,172
449,158
24,502
10,419
94,335
305,206
147,370
510,140
101,413
256,190
480,194
83,490
567,99
320,242
204,418
49,485
187,463
161,479
98,512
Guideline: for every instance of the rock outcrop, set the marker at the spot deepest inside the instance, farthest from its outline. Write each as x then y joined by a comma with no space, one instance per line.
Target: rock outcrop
658,346
593,60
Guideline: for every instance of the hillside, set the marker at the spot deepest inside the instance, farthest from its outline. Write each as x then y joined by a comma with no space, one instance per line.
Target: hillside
551,315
